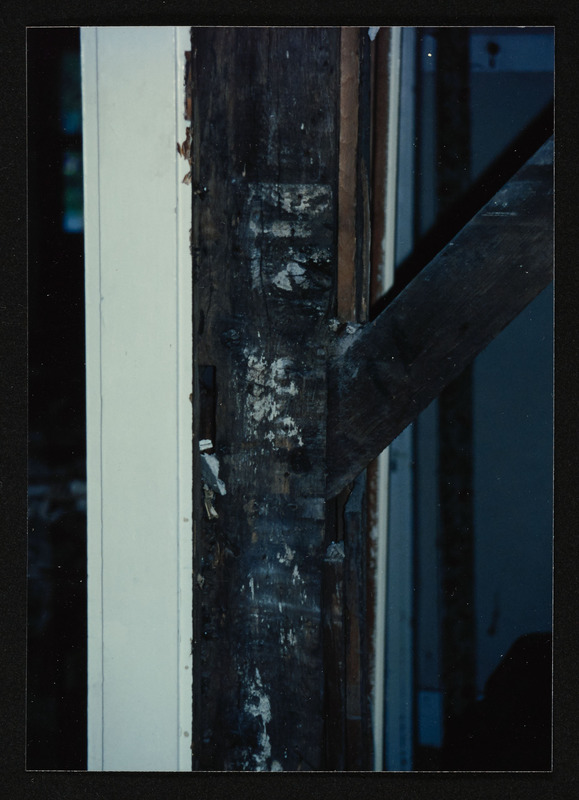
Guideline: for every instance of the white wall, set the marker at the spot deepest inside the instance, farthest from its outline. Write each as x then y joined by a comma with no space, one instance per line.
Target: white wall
138,348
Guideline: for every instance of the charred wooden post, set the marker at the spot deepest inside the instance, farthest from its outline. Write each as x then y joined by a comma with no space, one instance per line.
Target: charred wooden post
265,107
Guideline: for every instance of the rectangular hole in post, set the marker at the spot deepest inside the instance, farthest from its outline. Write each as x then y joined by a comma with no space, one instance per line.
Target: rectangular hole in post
207,404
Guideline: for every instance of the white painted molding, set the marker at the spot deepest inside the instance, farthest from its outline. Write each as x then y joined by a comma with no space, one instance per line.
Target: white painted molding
139,426
380,534
392,697
398,728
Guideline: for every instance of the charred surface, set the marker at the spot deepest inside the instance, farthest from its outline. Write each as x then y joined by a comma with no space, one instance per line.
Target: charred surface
266,108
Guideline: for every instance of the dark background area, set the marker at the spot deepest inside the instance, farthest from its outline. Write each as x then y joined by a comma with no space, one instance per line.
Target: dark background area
483,449
56,679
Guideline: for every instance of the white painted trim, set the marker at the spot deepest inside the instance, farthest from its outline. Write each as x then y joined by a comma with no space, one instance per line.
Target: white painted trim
379,698
399,578
184,413
383,467
389,244
138,344
93,398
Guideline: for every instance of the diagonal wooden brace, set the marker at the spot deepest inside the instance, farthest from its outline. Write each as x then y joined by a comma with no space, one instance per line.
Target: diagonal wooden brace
383,375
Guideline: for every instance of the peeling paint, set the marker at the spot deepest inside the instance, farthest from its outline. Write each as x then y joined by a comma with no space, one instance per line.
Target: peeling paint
288,555
302,203
259,706
290,428
252,588
210,473
267,398
296,577
288,637
290,276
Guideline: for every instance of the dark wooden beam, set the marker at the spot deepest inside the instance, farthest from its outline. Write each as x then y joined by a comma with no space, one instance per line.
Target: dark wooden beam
347,289
265,183
383,374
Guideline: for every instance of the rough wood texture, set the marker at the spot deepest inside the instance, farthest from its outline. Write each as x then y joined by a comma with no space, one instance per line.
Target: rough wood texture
359,750
383,375
334,658
347,288
266,118
348,741
353,278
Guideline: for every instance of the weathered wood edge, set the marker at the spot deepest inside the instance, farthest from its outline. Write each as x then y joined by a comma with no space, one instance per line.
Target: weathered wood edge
384,373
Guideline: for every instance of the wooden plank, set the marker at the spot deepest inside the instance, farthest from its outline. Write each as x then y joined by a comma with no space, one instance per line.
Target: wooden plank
352,749
349,81
383,375
359,751
364,177
265,106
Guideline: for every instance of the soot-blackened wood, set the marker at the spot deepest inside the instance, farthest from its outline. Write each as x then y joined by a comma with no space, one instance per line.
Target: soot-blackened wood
347,285
347,731
383,375
359,750
266,108
334,637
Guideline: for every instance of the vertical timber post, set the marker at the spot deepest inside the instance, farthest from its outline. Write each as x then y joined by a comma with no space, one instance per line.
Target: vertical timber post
347,708
359,751
264,241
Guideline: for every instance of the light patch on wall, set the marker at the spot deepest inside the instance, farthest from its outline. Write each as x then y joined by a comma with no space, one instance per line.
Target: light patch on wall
267,401
259,706
297,208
